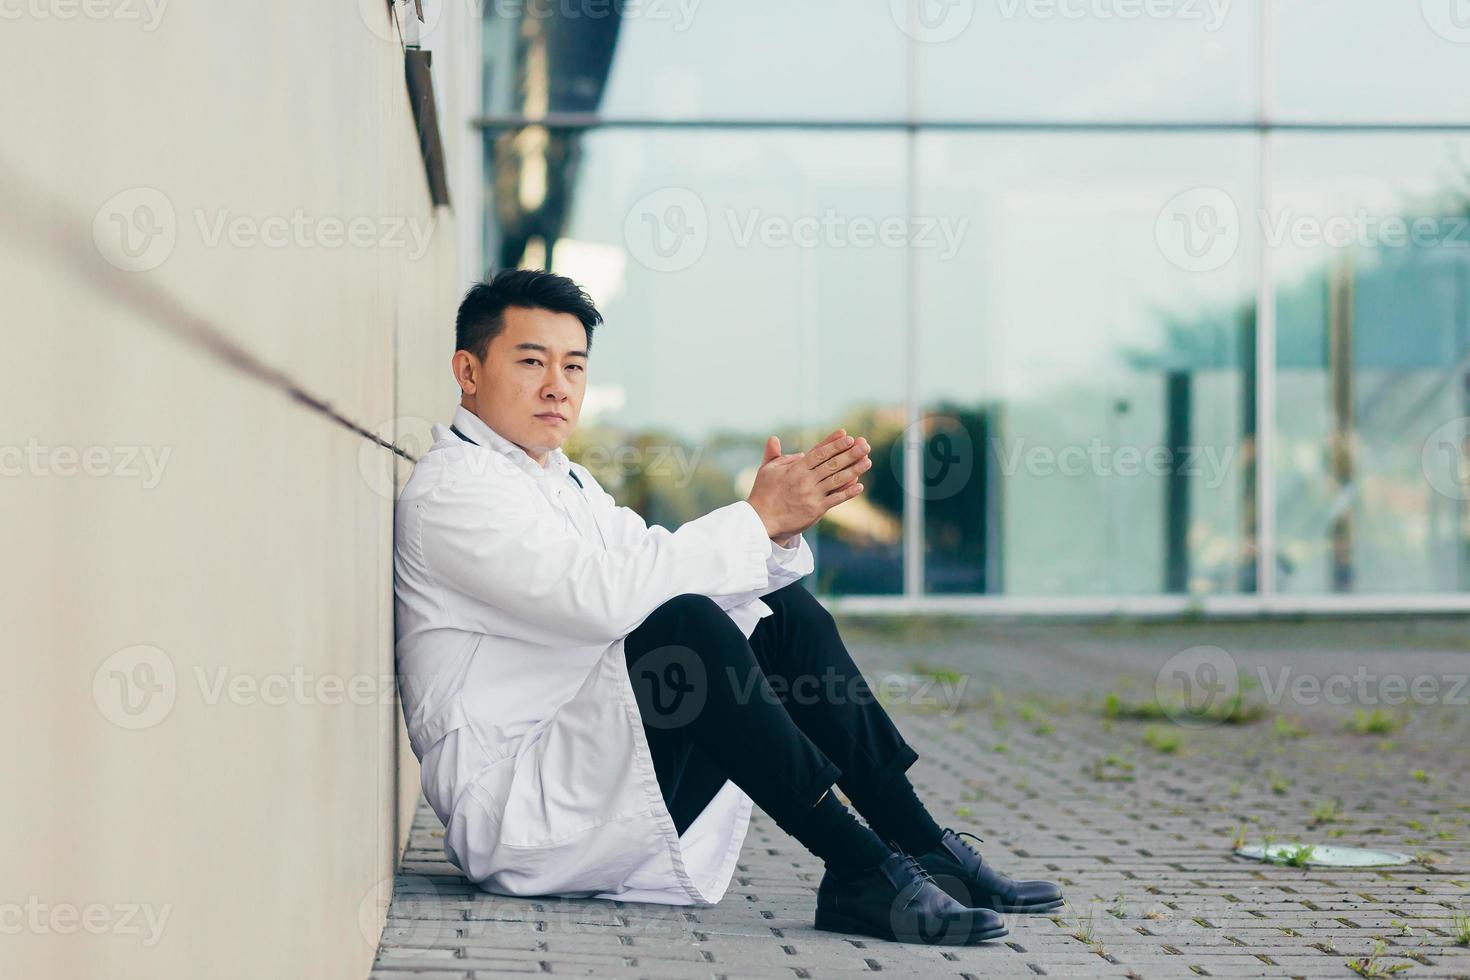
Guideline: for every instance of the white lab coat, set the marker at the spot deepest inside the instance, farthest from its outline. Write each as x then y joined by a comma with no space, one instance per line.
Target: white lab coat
514,590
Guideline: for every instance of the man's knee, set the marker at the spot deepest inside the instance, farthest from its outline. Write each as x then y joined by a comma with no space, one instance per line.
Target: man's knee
684,657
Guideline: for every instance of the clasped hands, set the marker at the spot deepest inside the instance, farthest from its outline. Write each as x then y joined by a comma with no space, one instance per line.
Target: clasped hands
793,491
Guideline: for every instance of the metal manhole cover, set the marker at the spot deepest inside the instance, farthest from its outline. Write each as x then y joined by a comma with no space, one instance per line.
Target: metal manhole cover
1323,856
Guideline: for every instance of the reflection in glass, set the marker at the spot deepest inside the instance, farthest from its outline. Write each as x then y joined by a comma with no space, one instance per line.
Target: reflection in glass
1097,380
1093,61
1385,63
683,59
1372,260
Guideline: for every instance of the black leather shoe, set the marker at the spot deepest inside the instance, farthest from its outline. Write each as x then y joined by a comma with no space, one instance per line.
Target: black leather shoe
959,870
898,901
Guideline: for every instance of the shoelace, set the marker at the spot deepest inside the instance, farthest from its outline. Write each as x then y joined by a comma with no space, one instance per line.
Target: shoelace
912,864
964,833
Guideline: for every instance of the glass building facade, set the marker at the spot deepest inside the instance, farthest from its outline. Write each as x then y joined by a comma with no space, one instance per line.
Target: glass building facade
1140,305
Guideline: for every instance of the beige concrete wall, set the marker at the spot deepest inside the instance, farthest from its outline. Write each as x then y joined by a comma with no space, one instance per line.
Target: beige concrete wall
205,772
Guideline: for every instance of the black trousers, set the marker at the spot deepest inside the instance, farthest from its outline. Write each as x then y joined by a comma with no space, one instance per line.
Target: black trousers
784,715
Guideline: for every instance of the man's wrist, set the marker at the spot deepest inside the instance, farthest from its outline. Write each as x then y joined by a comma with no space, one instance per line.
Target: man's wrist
788,541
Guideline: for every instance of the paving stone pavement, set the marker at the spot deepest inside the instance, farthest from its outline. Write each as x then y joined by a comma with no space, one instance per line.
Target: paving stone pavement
1021,743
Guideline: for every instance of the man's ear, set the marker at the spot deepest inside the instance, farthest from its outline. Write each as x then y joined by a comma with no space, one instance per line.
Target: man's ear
466,371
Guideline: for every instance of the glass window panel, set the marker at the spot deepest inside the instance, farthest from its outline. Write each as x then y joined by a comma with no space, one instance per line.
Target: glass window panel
1090,60
1371,256
683,59
1382,62
749,290
1093,363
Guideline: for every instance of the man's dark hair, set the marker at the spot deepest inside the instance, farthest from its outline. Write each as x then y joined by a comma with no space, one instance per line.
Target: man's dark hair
482,312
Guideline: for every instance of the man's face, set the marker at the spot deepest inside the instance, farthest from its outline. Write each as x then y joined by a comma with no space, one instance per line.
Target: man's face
534,371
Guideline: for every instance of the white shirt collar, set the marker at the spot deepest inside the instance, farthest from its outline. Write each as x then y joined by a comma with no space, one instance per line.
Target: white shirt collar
557,463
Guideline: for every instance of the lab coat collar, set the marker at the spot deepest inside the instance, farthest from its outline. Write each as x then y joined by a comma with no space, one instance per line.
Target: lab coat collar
557,463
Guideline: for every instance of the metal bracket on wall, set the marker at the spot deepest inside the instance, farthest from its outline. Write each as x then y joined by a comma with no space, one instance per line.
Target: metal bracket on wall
426,120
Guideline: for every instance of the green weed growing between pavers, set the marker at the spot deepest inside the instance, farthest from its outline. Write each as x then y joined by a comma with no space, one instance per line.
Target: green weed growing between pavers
1086,933
1371,965
1110,769
1237,709
1376,722
1289,728
1460,929
1326,812
1161,741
